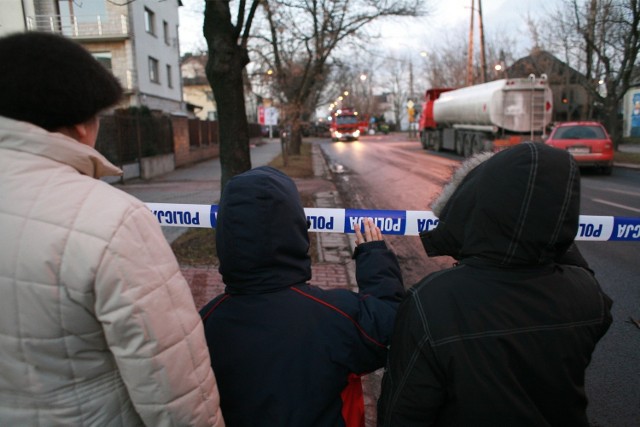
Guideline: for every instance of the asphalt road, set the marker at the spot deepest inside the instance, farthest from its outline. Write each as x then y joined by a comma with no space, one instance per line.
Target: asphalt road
391,172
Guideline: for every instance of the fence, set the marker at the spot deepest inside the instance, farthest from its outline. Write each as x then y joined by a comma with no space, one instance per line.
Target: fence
138,140
128,138
202,132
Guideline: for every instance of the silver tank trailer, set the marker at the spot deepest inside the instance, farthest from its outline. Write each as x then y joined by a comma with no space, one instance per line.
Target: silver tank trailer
508,104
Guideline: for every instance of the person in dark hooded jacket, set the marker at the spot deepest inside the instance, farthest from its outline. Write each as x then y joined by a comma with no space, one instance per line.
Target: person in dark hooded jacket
503,338
283,350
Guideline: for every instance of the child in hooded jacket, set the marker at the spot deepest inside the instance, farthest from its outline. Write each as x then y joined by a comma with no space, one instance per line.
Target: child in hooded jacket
283,350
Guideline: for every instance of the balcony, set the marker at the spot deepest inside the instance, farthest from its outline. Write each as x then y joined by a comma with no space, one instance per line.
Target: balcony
83,28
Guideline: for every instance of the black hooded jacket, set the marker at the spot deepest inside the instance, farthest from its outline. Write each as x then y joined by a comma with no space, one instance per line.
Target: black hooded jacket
281,349
504,337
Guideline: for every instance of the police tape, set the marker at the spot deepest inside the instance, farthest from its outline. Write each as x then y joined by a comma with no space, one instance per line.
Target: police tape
393,222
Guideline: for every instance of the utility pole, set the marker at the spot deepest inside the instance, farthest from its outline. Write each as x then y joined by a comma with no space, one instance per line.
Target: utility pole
470,48
483,62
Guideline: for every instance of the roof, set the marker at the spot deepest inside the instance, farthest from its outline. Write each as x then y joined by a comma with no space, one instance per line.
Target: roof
542,62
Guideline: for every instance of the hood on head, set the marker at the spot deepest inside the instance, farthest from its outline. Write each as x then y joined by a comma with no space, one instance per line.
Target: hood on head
517,207
261,234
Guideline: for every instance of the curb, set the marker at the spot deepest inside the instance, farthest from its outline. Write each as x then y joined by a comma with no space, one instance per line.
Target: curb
626,165
333,248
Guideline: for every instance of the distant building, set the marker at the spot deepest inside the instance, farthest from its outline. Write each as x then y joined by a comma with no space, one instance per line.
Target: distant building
631,112
196,88
571,100
136,40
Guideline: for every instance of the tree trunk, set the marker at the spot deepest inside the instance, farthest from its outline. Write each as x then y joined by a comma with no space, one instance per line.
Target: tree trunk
224,71
295,141
612,121
232,121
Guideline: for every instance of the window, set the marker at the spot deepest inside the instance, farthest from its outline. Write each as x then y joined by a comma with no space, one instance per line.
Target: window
153,70
169,79
149,21
104,58
165,29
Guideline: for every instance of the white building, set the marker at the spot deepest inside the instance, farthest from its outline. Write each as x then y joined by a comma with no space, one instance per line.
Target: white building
137,40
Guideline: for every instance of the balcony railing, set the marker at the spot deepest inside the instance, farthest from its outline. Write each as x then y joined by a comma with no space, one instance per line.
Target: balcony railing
80,26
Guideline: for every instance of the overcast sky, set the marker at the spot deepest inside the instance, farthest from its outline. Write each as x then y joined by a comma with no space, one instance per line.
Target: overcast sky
419,34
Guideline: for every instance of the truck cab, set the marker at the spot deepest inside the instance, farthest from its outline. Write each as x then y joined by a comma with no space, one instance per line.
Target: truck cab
345,125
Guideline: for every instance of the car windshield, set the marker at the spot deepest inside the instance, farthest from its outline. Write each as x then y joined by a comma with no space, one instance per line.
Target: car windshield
579,132
346,120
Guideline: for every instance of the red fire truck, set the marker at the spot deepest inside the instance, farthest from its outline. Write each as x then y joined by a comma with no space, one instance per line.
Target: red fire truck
345,125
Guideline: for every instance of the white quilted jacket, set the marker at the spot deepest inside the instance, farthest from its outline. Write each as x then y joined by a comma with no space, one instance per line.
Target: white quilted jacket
97,325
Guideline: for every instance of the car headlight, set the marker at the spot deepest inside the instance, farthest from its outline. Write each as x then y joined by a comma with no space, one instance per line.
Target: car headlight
338,134
356,133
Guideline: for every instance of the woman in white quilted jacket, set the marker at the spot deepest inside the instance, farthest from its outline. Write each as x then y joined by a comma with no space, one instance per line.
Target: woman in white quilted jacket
97,325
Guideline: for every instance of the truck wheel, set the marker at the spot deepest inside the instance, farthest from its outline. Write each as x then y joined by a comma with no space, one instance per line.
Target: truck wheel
436,142
459,146
478,146
423,139
467,149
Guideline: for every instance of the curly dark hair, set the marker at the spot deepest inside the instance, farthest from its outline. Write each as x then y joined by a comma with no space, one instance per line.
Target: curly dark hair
51,81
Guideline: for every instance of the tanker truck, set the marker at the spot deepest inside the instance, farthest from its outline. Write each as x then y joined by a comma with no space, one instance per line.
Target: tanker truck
486,117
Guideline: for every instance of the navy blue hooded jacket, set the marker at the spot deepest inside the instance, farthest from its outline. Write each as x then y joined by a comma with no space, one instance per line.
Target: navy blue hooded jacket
282,349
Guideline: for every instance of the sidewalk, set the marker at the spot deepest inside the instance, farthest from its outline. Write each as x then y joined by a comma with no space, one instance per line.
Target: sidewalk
628,148
200,184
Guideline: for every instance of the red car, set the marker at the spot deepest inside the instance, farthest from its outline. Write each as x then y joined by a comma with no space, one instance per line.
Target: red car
588,142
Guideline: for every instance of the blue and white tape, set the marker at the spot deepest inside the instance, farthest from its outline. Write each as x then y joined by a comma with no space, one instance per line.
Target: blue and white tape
402,223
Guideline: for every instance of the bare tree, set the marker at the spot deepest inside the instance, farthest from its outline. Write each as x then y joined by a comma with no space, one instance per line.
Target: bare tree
600,38
303,35
357,78
397,86
446,64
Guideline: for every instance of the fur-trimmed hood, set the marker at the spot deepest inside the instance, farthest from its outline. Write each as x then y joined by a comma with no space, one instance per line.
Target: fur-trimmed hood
517,207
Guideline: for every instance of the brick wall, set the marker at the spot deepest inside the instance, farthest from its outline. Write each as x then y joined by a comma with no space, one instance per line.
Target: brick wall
185,153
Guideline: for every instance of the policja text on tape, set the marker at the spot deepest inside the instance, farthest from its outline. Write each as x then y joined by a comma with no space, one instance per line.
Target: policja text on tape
393,222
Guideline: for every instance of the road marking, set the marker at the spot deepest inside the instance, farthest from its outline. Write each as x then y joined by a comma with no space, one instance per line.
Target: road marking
628,193
604,202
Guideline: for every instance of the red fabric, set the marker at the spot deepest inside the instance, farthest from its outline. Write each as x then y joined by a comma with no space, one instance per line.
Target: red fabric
353,402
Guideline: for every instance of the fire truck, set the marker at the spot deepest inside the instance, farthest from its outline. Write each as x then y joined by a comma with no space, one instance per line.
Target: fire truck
345,125
486,117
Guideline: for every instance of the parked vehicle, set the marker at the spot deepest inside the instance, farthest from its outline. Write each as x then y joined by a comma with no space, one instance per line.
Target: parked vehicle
345,125
588,142
485,117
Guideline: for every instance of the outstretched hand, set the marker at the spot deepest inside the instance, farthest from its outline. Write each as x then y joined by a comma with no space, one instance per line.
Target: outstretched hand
371,232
